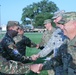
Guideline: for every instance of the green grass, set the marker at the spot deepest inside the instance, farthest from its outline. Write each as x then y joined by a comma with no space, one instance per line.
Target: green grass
36,38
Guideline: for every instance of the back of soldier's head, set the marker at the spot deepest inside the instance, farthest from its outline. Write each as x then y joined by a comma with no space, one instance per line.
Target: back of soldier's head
12,24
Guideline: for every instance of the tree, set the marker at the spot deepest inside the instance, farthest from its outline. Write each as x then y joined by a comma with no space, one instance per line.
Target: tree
38,12
39,19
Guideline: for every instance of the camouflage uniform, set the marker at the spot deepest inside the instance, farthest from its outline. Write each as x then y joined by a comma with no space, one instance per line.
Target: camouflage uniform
10,52
72,51
56,41
45,38
56,37
21,43
13,67
69,63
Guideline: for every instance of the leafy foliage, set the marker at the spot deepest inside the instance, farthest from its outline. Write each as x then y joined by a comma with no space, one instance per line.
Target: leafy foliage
38,12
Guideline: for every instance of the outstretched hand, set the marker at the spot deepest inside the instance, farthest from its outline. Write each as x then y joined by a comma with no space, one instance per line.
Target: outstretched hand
36,68
35,57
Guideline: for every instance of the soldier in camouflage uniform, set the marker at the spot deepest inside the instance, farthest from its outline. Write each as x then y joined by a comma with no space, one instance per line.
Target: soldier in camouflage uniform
23,41
11,59
55,36
46,36
48,32
71,33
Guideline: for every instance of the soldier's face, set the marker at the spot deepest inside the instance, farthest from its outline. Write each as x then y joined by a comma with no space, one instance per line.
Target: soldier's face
13,30
20,31
48,25
69,28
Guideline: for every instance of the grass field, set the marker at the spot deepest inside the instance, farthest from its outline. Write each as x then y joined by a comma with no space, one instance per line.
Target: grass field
35,37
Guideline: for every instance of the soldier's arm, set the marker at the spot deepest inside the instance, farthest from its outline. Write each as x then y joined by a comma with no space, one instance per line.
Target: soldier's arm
52,63
31,44
28,42
14,54
54,43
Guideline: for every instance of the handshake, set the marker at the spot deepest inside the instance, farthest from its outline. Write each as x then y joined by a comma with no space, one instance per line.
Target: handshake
36,68
35,57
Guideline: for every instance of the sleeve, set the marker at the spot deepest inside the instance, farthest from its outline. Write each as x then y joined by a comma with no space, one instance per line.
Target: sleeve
54,43
29,43
13,53
52,63
43,39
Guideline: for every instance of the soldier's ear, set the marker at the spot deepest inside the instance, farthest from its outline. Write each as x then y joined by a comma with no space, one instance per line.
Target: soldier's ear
74,23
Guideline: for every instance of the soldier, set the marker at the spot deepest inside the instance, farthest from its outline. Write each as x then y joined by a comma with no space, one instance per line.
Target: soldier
71,33
23,41
56,34
46,36
9,52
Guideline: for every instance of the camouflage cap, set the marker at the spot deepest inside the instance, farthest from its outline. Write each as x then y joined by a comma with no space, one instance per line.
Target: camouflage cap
68,16
21,27
12,23
58,13
47,21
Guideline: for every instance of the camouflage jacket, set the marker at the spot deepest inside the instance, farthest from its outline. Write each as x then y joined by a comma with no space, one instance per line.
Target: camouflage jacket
72,51
10,51
46,36
12,67
54,43
21,43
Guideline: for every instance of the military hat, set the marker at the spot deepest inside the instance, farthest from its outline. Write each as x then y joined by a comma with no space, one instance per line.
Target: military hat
47,21
58,13
21,27
68,16
12,23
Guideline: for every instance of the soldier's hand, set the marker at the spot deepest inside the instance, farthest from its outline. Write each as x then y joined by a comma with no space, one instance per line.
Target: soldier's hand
37,46
36,68
35,57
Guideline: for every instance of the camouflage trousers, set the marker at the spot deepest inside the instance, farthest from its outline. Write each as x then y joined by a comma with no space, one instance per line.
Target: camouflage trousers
13,67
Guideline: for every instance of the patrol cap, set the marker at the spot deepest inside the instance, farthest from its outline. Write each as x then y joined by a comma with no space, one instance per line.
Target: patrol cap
68,16
21,27
12,23
47,21
58,13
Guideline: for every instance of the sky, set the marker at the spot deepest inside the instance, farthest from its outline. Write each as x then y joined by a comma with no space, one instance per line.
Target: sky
12,9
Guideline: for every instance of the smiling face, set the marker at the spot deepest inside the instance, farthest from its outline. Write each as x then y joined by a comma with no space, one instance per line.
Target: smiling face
70,28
